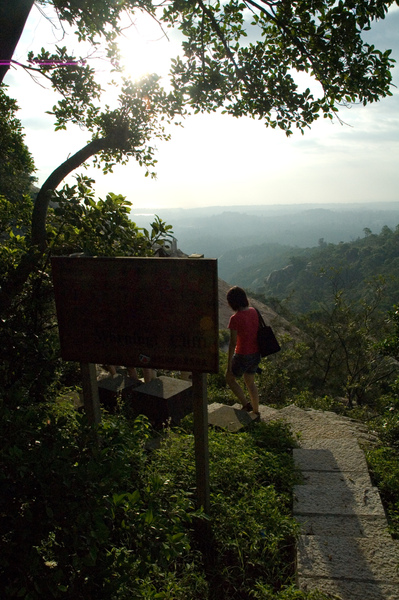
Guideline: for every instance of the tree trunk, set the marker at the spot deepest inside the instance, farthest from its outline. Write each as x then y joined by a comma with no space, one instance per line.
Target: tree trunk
43,198
15,280
13,16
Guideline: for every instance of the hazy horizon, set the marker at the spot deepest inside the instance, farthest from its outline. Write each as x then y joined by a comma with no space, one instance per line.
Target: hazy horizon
142,216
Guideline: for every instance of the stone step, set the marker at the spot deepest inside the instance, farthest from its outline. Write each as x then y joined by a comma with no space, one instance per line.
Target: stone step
345,549
349,480
230,418
337,500
269,414
338,444
345,526
341,589
366,560
333,455
310,423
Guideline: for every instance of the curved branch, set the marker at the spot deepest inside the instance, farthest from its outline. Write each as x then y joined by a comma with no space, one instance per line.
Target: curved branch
53,181
12,285
272,17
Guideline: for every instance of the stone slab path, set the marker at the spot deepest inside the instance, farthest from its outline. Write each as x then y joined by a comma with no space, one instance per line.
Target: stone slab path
345,549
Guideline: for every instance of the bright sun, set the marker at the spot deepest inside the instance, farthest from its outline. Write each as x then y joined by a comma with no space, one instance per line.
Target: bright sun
144,48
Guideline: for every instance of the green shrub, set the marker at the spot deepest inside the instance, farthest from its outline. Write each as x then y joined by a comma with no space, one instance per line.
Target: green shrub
251,476
384,468
262,592
91,513
80,516
307,399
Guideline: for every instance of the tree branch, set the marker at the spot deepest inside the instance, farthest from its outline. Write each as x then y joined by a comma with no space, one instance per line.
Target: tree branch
13,284
53,181
298,43
220,35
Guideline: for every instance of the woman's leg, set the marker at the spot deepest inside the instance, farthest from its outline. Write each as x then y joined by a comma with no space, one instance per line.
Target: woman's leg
236,388
249,379
149,375
132,373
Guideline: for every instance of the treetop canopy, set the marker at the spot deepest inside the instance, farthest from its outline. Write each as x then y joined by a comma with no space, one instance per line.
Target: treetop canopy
258,58
249,57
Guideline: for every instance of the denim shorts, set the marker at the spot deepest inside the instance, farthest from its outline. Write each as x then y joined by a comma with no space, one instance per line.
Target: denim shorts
245,363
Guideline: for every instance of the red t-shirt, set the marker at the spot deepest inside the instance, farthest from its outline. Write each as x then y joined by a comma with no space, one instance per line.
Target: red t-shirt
245,322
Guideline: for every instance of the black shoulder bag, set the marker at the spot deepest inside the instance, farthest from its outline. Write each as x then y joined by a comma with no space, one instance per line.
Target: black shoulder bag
267,341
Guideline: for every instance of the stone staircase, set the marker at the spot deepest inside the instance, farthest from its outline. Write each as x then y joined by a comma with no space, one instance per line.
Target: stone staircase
345,549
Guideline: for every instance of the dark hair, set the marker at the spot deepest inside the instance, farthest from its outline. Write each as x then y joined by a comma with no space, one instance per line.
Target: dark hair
237,298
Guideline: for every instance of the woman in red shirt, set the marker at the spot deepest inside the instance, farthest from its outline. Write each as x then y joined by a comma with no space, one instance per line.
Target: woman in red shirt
244,356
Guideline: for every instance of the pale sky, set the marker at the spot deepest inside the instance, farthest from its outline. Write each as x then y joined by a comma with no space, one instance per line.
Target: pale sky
216,160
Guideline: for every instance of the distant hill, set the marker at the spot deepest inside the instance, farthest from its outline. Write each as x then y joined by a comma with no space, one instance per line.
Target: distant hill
279,323
249,266
312,275
219,232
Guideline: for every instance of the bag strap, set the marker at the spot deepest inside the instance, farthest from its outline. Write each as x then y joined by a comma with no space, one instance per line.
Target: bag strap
261,320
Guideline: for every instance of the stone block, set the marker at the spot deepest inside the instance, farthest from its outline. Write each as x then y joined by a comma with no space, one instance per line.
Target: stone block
163,399
232,419
340,589
335,458
348,479
344,525
371,560
336,445
337,500
110,389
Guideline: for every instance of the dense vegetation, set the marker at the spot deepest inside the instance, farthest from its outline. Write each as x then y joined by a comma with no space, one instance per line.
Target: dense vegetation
93,514
303,278
346,266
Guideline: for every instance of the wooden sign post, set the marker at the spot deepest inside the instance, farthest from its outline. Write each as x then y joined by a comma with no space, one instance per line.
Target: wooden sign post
91,400
200,405
159,313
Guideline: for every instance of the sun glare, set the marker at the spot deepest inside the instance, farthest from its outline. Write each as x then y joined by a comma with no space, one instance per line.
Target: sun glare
145,49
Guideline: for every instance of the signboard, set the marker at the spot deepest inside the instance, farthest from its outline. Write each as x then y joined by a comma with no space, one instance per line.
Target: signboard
148,312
